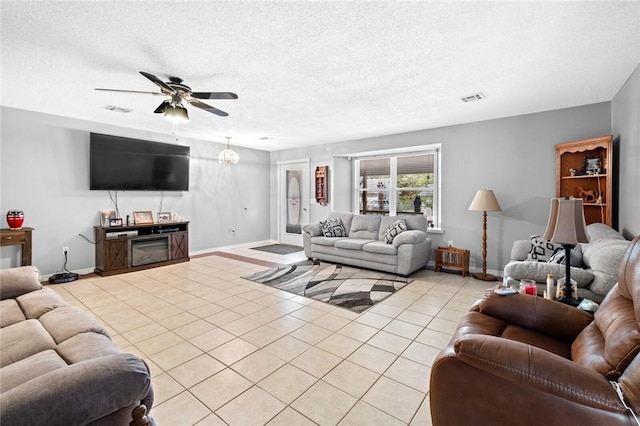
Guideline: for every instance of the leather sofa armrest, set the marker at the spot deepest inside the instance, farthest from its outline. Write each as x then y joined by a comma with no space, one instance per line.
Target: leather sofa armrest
409,237
537,369
79,393
314,229
536,313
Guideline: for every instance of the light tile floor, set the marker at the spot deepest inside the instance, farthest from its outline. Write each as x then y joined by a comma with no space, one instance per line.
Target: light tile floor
224,350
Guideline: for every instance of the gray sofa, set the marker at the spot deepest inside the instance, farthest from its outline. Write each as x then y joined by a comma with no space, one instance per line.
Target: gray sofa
595,270
364,244
58,365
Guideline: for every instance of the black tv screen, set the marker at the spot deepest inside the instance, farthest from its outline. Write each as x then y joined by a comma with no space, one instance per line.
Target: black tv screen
124,164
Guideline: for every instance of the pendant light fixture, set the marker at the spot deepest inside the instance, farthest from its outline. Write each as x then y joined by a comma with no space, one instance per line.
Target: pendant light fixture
228,156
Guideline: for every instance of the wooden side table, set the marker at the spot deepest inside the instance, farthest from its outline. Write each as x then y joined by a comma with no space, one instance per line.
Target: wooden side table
14,237
452,258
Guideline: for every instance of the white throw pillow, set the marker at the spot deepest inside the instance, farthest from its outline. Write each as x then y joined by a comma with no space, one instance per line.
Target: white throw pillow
541,250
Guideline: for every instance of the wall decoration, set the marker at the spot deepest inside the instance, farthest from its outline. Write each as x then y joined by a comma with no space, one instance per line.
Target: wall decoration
593,165
322,186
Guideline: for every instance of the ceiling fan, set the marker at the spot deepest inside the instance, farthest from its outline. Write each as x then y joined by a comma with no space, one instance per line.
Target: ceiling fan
173,108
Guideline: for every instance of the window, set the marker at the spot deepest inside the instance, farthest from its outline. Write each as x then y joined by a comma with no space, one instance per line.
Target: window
401,182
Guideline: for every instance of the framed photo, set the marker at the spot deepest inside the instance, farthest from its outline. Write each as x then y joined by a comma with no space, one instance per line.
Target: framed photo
105,216
164,217
593,165
115,222
142,217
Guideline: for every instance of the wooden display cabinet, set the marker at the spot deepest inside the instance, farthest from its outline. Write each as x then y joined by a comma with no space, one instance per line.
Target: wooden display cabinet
122,249
584,169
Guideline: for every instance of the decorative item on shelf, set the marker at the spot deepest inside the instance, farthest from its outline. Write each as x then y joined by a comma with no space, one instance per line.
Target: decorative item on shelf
228,156
593,165
15,219
589,195
566,226
573,172
164,217
115,222
105,216
142,217
485,200
417,204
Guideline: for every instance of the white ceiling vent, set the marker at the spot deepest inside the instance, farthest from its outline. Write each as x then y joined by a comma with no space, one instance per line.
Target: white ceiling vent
117,109
474,97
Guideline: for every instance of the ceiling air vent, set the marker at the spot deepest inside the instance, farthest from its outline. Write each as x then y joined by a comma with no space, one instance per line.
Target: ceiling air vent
474,97
117,109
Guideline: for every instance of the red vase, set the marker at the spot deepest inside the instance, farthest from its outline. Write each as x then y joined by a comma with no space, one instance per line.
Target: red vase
15,219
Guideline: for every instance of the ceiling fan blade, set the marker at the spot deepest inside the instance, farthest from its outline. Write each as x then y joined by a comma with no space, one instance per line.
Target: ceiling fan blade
207,108
214,95
164,86
131,91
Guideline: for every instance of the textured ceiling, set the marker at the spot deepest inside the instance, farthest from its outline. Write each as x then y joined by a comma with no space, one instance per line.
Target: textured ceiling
316,72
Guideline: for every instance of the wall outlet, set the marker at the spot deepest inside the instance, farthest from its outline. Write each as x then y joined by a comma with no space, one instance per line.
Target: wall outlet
65,249
450,243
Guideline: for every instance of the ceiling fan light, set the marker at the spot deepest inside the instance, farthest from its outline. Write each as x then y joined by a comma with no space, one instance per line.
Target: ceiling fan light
176,113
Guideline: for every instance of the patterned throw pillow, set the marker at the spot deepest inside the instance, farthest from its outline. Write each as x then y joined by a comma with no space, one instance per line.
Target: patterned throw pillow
576,257
333,228
541,250
393,230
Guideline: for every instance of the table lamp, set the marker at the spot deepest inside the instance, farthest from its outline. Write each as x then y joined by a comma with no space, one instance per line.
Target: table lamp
566,226
485,200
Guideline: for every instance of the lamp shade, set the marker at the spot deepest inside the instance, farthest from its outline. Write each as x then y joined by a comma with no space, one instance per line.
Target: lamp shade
566,223
485,200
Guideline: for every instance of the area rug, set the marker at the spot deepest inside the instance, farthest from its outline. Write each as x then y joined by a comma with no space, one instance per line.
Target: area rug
279,248
345,286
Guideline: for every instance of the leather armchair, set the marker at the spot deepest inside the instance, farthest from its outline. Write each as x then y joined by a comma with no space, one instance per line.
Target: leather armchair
524,360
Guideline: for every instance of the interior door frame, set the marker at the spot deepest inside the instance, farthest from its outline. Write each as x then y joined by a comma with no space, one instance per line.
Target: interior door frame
283,166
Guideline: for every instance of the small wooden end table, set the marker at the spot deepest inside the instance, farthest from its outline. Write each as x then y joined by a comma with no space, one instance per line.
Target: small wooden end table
14,237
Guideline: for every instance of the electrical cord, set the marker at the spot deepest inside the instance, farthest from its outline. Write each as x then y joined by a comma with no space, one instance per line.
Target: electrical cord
92,242
115,202
64,267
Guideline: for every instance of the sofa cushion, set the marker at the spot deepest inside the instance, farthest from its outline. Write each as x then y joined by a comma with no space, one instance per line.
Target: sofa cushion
84,346
409,237
17,281
352,243
23,339
345,217
365,226
537,271
393,230
10,312
67,321
380,247
333,228
29,368
325,241
541,250
38,303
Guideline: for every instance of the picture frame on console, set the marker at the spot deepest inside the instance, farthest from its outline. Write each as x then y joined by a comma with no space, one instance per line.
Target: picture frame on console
115,222
164,217
106,216
143,217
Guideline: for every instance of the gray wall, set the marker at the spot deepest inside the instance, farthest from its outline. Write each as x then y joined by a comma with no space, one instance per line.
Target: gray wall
625,125
514,156
44,171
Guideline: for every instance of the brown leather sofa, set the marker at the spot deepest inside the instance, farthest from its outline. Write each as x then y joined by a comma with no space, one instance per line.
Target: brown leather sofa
524,360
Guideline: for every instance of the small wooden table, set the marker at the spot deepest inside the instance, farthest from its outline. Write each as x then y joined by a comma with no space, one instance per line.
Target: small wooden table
453,258
14,237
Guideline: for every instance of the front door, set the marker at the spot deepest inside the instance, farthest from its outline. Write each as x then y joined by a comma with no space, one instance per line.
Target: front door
293,200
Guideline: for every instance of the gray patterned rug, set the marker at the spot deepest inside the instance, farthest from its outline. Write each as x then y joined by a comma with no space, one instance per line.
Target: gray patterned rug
345,286
279,248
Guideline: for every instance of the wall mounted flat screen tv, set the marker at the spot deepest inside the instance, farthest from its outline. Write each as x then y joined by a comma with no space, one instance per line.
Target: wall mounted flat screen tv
124,164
